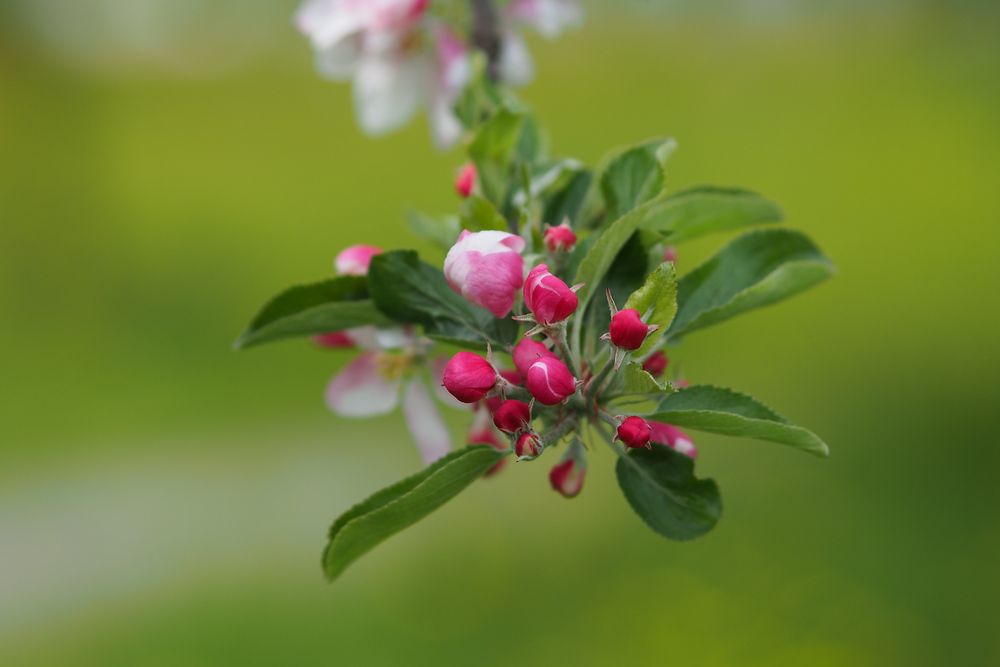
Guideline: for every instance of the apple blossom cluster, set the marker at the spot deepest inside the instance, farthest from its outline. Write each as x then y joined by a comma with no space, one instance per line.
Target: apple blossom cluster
406,55
555,296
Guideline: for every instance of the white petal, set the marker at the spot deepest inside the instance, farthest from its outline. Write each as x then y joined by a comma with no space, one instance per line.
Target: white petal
394,338
339,61
515,66
388,90
327,22
424,421
360,391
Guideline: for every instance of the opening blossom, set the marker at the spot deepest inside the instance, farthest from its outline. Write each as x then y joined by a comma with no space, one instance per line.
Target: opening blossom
487,269
385,373
401,58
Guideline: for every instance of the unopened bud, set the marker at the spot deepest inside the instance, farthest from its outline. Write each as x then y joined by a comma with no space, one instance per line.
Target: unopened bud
656,363
465,181
512,416
528,446
567,476
560,238
550,381
634,432
627,330
469,377
548,298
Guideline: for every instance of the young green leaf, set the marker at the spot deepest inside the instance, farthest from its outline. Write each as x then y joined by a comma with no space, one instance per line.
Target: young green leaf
723,411
479,214
755,270
635,176
443,232
656,302
635,381
401,505
409,290
492,150
661,487
304,310
707,210
565,202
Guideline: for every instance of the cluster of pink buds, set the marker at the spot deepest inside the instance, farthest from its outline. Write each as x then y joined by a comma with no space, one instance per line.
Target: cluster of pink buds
543,399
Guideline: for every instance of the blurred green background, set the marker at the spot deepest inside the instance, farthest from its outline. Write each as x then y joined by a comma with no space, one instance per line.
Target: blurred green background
164,501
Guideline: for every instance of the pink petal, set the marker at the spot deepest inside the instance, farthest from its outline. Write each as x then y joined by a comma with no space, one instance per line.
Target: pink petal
359,390
425,422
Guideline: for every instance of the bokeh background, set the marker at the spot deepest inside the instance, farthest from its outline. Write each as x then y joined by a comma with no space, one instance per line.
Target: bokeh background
165,166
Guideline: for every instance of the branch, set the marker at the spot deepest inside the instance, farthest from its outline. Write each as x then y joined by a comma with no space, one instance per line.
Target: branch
486,34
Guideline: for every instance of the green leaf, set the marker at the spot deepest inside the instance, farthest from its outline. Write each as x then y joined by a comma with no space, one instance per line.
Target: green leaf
566,202
707,210
723,411
479,214
656,302
635,176
492,150
401,505
409,290
754,270
661,487
442,232
637,381
304,310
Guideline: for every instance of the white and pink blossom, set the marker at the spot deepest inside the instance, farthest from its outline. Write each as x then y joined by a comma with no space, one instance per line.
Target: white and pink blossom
487,269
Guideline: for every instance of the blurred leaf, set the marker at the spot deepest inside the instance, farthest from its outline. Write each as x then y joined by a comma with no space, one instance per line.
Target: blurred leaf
656,302
304,310
705,210
754,270
412,291
661,487
567,201
724,411
401,505
479,214
635,176
492,150
442,232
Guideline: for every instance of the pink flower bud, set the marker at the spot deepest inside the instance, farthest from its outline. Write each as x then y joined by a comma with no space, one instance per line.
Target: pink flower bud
512,416
670,254
527,352
549,381
656,363
547,297
334,339
465,180
634,432
487,269
560,238
673,437
627,329
528,446
513,377
567,476
468,377
354,260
